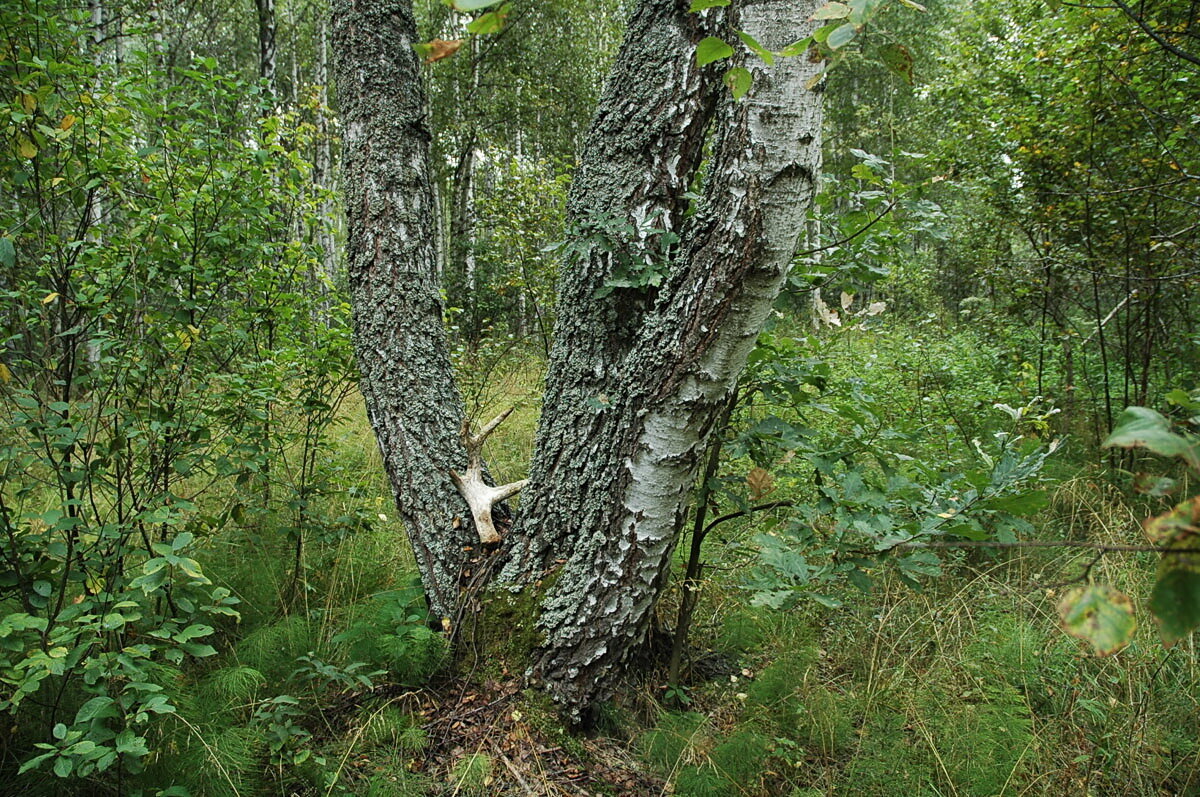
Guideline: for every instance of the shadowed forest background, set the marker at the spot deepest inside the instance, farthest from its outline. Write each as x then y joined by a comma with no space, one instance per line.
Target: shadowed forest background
926,485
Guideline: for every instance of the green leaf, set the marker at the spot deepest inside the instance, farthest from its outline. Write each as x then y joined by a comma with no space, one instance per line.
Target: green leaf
832,11
738,80
130,743
198,649
701,5
1141,427
33,762
96,708
472,5
491,22
1150,484
842,36
797,48
1099,615
194,631
1175,602
758,49
8,255
712,49
862,171
1181,398
898,59
1179,525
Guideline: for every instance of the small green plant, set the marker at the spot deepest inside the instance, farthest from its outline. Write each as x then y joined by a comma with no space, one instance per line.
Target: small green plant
394,728
390,631
472,774
674,740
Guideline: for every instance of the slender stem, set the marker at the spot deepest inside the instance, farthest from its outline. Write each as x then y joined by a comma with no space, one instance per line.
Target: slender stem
695,563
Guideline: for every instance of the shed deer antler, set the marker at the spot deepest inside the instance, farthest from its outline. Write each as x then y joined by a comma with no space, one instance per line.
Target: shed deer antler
480,496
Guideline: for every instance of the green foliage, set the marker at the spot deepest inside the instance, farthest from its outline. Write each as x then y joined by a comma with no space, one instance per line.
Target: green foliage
472,774
673,740
391,631
236,685
873,505
274,650
391,728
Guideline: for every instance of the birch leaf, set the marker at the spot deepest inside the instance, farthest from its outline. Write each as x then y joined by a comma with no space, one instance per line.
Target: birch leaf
712,49
437,49
1100,616
760,483
738,80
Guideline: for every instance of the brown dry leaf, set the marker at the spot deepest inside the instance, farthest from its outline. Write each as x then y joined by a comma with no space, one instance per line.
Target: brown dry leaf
760,483
438,49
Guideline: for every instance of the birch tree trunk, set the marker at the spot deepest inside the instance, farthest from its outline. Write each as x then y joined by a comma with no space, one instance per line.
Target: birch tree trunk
265,10
406,376
658,308
638,378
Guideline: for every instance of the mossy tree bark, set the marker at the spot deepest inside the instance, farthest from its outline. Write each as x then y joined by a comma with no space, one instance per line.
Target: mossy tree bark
671,275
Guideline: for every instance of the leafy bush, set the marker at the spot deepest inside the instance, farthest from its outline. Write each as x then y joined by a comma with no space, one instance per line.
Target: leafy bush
390,631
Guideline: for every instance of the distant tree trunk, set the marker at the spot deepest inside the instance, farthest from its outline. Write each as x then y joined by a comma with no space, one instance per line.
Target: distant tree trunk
323,162
638,374
266,43
462,236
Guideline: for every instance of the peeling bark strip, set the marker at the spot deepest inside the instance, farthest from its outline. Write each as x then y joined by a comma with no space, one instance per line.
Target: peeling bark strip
609,487
399,341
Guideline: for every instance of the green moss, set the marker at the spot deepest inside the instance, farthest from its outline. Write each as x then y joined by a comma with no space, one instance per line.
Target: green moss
541,714
501,638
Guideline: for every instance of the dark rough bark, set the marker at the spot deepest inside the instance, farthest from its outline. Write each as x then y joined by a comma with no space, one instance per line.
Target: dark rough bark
266,42
407,378
638,378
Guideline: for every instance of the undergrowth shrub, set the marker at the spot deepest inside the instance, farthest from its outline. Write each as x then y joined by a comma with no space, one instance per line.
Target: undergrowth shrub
274,649
390,631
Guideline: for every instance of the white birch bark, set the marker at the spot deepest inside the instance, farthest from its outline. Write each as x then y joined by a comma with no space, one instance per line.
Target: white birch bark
638,376
609,487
